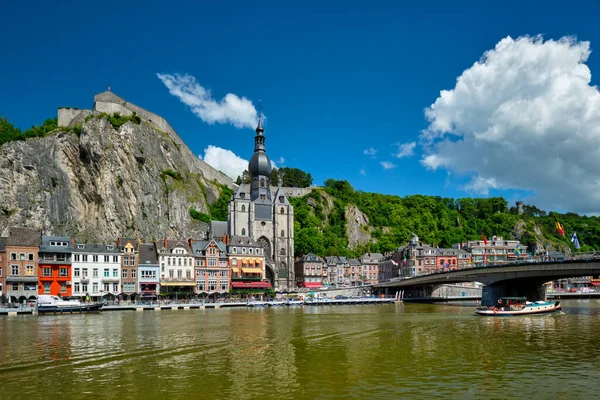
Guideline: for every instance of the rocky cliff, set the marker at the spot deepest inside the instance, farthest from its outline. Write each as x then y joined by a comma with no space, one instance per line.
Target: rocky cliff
100,183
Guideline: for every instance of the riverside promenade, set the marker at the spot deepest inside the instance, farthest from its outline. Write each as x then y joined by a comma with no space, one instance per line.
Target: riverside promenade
160,306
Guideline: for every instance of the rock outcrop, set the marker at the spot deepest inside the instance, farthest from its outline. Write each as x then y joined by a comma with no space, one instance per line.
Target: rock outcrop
357,227
105,183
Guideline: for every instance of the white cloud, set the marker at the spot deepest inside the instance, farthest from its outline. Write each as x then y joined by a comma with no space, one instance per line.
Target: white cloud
225,161
363,172
523,117
280,161
406,150
369,152
230,110
387,165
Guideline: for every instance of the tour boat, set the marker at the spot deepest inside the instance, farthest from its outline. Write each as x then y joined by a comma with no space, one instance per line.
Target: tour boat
56,305
257,303
511,306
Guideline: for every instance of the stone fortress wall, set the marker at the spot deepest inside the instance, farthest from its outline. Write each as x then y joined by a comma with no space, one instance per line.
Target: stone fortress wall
109,103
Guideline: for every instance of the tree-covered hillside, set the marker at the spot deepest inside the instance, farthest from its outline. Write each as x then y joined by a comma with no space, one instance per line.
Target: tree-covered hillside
320,225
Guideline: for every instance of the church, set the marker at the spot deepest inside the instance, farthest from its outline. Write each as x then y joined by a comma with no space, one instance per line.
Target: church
267,218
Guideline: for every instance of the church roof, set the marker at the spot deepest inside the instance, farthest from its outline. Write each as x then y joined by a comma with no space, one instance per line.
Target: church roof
279,200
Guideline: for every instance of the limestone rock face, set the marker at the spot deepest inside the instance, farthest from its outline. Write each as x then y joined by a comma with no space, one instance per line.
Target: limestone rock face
106,183
357,226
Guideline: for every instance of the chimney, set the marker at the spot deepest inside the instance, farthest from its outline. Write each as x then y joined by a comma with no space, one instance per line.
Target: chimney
165,243
137,238
73,241
119,242
190,241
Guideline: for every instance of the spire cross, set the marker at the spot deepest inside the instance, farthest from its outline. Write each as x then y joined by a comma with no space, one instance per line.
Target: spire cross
259,109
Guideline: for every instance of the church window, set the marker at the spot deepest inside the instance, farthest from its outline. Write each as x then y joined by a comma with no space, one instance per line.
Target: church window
282,211
262,197
282,233
262,182
243,208
243,232
282,252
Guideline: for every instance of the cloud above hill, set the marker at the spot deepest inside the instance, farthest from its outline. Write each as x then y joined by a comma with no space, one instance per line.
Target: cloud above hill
231,109
225,161
522,117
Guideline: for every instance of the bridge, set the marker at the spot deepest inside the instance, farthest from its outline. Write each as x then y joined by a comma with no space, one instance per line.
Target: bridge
522,279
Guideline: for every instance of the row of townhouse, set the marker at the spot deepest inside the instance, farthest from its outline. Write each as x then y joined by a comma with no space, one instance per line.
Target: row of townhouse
312,271
417,258
32,264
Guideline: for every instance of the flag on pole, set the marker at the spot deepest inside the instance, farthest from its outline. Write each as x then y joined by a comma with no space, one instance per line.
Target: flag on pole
575,241
438,249
485,242
560,228
517,250
405,259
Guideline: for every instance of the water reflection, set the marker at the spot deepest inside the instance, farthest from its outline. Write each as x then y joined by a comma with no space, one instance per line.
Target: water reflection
383,351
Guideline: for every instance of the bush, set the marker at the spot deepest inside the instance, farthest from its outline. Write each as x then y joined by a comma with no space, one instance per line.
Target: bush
199,216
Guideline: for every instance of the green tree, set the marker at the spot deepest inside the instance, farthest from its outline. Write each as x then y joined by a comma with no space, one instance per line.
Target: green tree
275,177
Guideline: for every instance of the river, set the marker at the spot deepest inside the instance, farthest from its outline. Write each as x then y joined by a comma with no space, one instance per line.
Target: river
363,351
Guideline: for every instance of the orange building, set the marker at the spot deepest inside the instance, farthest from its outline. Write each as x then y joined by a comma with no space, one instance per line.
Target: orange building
54,266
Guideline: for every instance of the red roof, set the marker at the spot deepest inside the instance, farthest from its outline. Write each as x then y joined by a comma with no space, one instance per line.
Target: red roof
251,285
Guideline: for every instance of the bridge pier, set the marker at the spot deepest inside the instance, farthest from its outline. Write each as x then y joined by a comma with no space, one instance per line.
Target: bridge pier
532,290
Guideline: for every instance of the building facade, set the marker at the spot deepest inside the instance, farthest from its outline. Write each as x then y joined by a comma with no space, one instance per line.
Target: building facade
309,271
2,268
269,220
176,268
54,266
148,271
370,267
96,271
21,278
496,251
211,267
129,249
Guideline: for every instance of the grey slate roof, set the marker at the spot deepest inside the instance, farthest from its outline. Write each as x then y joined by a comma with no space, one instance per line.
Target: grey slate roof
353,261
243,241
96,248
123,242
147,255
371,258
171,244
46,247
23,237
199,246
2,244
218,229
310,257
282,201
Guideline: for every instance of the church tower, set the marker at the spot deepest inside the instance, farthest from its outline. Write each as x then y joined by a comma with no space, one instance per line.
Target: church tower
253,212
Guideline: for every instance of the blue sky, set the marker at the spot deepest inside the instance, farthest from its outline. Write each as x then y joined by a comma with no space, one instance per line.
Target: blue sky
336,79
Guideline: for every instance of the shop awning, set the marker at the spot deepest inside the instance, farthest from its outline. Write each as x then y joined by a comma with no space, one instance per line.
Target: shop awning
178,284
313,284
251,285
252,270
595,283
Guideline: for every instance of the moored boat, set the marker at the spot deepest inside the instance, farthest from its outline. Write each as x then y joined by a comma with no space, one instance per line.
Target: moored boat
512,306
56,305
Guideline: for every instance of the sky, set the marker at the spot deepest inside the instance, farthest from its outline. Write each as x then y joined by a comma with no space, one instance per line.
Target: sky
453,99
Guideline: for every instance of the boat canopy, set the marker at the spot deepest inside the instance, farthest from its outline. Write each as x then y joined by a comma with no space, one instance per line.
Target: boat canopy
514,298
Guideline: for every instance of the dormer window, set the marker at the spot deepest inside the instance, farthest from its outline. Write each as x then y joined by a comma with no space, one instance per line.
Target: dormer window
243,250
242,195
80,246
249,251
262,182
281,199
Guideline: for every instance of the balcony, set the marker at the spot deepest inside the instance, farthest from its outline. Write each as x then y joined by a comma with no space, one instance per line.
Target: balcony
54,260
110,279
85,278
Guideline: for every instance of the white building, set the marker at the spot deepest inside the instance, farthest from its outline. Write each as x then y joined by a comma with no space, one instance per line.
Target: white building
96,271
176,267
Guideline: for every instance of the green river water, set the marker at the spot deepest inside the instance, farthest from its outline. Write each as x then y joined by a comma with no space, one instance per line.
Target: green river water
409,351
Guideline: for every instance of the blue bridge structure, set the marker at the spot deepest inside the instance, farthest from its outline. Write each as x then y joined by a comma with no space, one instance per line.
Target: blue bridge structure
520,279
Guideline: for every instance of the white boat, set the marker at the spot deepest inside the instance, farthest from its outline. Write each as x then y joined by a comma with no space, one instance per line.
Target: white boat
512,306
295,302
47,304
